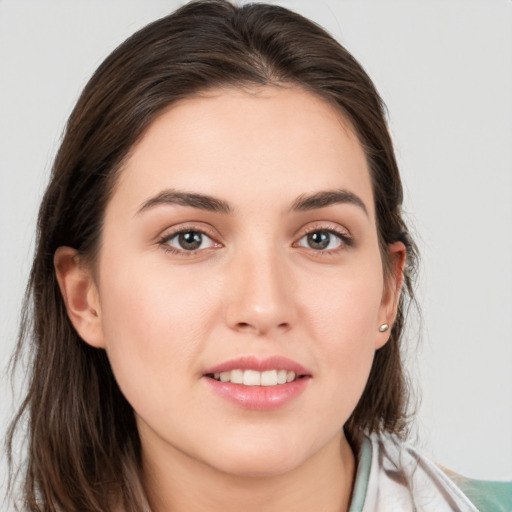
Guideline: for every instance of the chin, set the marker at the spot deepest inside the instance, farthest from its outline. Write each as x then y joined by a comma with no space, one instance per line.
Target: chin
260,459
261,468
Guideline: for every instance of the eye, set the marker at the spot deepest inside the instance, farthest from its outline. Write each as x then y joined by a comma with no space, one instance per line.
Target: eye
188,240
321,240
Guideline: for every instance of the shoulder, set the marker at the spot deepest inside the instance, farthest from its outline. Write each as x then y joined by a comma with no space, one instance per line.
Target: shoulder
486,495
393,475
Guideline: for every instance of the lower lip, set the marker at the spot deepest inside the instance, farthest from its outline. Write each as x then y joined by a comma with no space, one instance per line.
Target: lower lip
260,398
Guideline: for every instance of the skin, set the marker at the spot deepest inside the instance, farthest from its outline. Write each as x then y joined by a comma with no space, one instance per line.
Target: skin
255,286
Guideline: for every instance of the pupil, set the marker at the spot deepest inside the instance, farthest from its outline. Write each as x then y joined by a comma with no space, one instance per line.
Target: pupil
190,240
318,240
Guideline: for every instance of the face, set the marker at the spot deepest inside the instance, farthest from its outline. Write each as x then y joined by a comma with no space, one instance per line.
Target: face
239,286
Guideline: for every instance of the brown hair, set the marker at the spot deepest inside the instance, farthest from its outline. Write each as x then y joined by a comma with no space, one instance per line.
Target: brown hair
82,444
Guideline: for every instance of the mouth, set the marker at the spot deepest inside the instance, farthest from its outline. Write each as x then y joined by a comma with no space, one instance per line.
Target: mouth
267,378
261,384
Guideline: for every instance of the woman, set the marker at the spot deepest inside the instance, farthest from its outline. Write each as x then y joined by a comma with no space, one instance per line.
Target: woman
220,282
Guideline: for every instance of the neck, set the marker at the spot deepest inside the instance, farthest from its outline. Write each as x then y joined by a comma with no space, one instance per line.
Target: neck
181,484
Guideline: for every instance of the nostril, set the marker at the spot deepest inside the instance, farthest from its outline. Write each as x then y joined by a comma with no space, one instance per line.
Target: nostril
246,326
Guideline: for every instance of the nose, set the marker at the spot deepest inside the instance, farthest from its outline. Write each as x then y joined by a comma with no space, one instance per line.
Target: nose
260,293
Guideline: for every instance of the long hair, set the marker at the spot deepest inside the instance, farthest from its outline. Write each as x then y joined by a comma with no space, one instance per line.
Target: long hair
83,449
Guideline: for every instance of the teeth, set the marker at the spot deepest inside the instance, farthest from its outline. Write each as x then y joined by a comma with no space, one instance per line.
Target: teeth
281,376
252,378
269,378
255,378
237,376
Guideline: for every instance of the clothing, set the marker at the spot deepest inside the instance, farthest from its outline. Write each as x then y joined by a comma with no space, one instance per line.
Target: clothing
393,477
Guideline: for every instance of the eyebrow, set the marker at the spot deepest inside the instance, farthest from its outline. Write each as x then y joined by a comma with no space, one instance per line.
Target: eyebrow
303,203
194,200
326,198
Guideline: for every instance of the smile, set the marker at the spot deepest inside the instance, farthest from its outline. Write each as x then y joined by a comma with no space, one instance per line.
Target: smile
261,384
256,378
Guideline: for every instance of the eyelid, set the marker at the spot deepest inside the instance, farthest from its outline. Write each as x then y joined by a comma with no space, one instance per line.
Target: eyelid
170,233
329,227
332,227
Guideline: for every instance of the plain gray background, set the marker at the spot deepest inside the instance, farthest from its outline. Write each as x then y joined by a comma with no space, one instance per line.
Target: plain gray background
444,68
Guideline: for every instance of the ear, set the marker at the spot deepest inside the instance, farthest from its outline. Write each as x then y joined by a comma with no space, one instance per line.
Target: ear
80,295
391,293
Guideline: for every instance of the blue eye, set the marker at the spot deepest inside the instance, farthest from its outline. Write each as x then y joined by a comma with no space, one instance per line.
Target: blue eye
189,241
321,240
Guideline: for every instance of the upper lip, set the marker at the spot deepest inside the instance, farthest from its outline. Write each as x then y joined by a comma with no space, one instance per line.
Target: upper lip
259,364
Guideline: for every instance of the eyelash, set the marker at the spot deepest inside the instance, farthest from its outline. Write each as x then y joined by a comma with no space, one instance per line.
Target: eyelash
164,241
346,240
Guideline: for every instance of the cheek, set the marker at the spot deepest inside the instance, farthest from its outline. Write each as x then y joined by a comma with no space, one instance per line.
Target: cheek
143,299
343,319
154,325
344,307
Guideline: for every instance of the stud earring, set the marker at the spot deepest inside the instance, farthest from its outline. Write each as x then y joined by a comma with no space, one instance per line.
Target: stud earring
383,328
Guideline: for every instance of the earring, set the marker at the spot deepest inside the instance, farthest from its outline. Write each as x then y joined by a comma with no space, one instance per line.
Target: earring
383,328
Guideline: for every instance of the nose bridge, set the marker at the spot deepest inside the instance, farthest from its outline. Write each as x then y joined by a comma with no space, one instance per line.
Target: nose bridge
260,289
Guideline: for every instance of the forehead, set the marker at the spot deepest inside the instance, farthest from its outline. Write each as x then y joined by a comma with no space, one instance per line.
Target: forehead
278,142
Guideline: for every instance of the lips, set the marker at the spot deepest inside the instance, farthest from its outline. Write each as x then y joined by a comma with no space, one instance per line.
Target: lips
260,384
260,365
